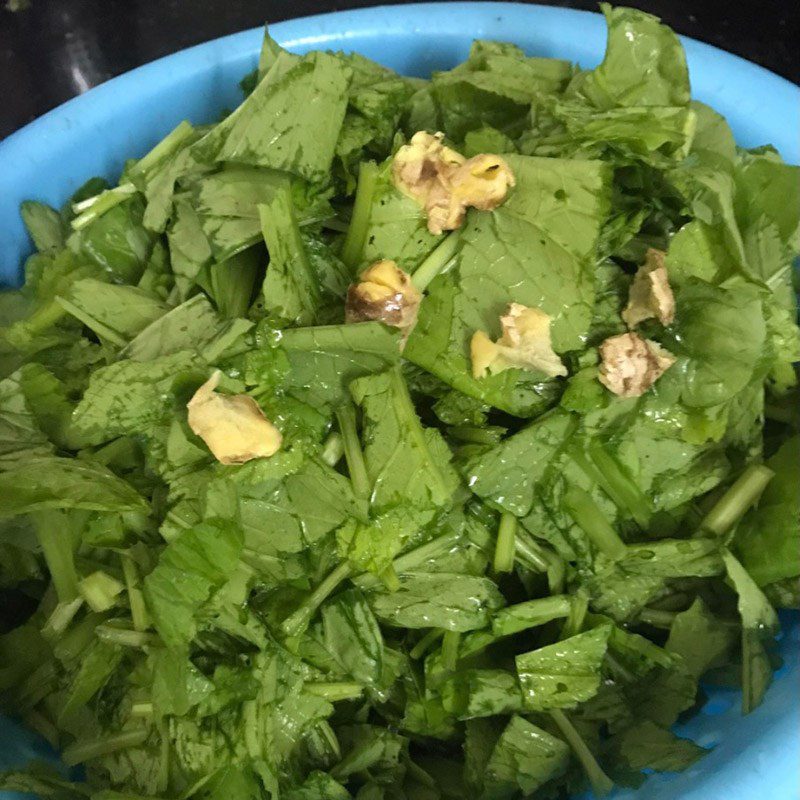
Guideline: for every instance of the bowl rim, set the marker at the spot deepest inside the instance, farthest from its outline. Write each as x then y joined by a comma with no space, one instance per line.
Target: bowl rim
290,34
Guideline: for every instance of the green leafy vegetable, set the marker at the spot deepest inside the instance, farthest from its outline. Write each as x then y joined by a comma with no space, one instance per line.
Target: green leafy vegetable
439,586
564,674
190,568
290,121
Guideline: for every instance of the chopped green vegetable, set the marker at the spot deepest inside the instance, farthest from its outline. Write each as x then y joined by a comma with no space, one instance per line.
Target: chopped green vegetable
457,575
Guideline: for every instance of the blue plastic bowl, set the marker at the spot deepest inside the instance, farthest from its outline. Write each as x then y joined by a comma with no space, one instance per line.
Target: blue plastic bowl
753,757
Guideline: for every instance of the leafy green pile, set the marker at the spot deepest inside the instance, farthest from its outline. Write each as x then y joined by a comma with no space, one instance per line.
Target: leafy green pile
440,586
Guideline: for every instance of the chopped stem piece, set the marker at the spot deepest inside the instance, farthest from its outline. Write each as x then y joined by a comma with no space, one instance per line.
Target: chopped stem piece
530,552
86,750
124,636
298,622
530,614
332,449
505,548
352,451
435,262
619,487
405,411
601,783
100,590
450,642
389,579
657,618
139,615
142,710
166,147
733,505
573,624
618,669
353,247
54,537
473,434
426,642
333,692
61,617
592,521
540,559
413,558
93,207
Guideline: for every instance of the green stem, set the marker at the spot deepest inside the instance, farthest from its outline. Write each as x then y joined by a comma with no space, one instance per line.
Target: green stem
139,615
40,320
426,642
323,744
124,636
61,617
435,262
389,579
334,692
530,614
93,207
540,559
143,710
166,147
733,505
573,624
100,590
414,559
530,553
335,224
657,618
298,622
332,449
505,548
54,537
353,454
162,776
473,434
592,521
426,552
618,669
418,775
251,726
476,642
756,670
601,783
83,751
450,643
353,247
619,487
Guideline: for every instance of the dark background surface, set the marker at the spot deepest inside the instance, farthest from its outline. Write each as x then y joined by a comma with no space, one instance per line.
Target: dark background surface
56,49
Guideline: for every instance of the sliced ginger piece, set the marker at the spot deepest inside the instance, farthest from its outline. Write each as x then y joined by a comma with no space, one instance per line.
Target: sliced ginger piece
233,426
445,184
384,293
525,344
630,365
650,295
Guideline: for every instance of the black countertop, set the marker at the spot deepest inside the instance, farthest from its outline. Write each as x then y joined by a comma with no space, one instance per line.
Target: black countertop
56,49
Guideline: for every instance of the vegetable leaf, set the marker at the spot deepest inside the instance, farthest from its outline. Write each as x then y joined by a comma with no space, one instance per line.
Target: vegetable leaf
564,674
